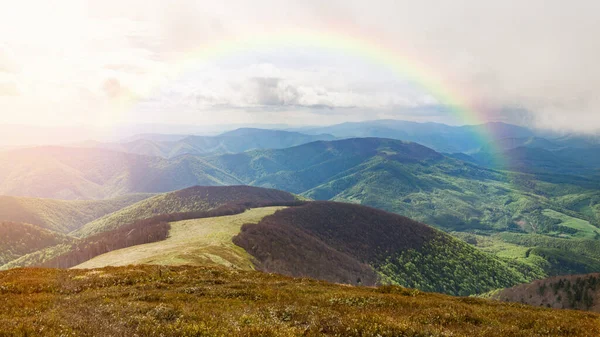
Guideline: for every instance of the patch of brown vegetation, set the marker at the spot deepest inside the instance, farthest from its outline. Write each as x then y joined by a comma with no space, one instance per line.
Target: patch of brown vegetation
203,301
562,292
330,241
145,231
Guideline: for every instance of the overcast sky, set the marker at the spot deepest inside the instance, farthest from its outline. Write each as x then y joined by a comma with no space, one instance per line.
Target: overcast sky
110,62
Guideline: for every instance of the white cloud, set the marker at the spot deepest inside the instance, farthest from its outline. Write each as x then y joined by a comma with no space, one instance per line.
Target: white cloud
538,55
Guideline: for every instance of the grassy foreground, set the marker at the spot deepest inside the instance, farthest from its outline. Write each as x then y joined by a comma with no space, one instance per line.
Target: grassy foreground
217,301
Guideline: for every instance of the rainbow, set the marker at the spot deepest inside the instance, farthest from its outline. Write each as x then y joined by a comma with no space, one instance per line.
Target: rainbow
370,48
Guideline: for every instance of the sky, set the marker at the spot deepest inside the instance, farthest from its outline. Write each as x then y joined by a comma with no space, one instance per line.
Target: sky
107,63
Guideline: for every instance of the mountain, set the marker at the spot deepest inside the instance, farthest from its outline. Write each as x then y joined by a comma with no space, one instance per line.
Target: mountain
200,241
440,137
19,239
193,199
155,137
561,292
235,141
61,215
538,156
455,196
336,242
214,301
395,176
579,141
77,173
148,221
301,168
534,160
528,142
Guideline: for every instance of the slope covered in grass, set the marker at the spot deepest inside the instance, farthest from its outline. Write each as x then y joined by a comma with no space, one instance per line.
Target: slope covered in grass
61,215
199,198
216,301
312,239
19,239
191,242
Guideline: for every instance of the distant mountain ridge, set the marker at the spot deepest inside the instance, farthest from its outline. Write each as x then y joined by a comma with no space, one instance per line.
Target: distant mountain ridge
79,173
235,141
440,137
61,216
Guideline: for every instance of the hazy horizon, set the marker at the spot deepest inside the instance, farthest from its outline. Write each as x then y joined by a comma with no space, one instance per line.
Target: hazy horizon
17,135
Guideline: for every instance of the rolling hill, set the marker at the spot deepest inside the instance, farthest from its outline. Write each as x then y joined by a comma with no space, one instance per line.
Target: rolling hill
75,173
404,178
19,239
336,242
239,140
216,301
396,176
193,199
61,215
203,241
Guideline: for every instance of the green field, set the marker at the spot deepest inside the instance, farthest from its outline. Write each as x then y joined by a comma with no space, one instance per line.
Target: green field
583,229
191,242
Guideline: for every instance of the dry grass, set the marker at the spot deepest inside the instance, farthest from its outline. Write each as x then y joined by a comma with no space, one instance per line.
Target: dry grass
218,301
191,242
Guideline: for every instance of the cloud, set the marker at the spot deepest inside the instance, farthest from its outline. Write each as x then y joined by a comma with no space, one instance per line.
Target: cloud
9,89
529,62
7,61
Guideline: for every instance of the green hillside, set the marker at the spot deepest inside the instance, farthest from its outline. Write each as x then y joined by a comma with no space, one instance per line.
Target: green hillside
316,240
396,176
216,301
61,215
19,239
337,242
405,178
450,194
199,198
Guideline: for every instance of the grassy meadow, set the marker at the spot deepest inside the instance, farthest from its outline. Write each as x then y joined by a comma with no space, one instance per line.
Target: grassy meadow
219,301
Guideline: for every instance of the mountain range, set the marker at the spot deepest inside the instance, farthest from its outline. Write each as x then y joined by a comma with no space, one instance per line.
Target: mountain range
276,232
239,140
360,211
395,176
